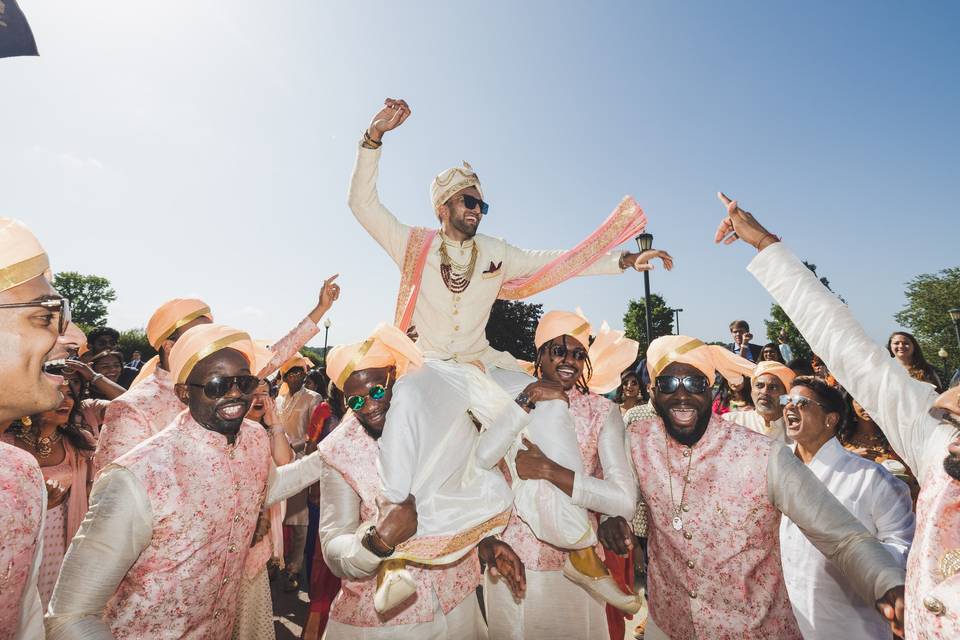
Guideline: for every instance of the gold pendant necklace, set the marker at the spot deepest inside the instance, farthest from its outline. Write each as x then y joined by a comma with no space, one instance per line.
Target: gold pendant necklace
456,277
42,446
677,522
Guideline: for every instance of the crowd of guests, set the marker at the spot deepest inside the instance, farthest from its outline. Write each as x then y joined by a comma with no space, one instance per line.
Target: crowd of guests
763,495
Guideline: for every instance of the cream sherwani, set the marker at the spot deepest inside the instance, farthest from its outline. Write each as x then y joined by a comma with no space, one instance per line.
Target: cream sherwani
161,551
452,326
755,422
822,600
902,407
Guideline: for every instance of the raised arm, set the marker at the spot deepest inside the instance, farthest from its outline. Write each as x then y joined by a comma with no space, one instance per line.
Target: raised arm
519,263
898,403
363,199
285,348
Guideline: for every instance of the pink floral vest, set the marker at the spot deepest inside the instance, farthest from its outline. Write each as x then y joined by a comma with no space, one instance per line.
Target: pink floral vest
21,508
205,496
589,412
720,577
353,453
933,567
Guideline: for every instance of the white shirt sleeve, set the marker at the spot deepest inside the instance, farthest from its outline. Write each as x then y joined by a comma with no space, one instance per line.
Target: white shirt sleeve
363,200
892,511
292,478
30,624
834,531
898,403
117,528
519,263
616,493
339,521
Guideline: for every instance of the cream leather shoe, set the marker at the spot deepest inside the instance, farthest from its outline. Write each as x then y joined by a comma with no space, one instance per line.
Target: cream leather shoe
394,585
604,588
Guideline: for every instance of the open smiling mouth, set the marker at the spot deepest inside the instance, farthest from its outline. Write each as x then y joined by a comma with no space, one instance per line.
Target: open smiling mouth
232,411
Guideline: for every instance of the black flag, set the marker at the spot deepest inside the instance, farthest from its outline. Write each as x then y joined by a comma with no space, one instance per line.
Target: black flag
16,39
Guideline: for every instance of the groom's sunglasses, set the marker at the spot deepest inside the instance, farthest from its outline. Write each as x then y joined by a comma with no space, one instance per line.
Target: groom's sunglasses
471,203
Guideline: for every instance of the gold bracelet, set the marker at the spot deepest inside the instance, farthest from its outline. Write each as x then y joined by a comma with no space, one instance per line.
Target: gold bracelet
370,143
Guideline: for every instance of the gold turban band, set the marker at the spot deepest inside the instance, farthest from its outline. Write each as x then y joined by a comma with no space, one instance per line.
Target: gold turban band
21,257
777,369
203,340
708,358
452,180
387,346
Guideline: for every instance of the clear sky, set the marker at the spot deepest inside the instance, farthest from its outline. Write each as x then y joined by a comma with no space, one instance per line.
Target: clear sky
204,148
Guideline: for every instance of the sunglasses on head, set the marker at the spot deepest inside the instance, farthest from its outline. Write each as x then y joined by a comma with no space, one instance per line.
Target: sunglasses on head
471,203
376,392
693,384
560,351
217,387
798,401
59,306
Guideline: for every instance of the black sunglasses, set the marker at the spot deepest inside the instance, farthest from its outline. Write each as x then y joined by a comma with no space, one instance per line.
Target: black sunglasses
693,384
471,203
217,387
55,305
560,351
376,392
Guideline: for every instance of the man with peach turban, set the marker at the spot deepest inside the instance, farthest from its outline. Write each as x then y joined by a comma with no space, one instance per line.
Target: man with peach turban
32,319
768,381
150,404
385,500
161,551
574,461
715,494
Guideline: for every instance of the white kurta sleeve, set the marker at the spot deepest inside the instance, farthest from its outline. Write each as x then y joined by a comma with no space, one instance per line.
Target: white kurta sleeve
898,403
616,493
290,479
518,263
892,511
30,624
117,528
834,531
363,200
339,521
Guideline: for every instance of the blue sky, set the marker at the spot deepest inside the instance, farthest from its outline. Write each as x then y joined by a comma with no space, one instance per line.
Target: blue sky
203,148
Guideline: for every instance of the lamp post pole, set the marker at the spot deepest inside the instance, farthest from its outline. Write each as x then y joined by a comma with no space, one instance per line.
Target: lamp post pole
955,316
326,334
645,242
943,362
676,323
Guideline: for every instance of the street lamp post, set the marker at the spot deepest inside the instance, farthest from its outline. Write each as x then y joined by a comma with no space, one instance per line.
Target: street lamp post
943,361
955,316
645,242
326,334
676,322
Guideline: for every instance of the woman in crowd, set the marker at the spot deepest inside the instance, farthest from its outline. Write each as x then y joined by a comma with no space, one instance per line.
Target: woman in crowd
732,396
905,348
97,379
771,351
254,604
861,435
63,450
628,393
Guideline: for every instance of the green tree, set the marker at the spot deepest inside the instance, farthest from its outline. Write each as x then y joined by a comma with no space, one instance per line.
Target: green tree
929,297
511,327
781,322
135,340
315,354
88,296
635,323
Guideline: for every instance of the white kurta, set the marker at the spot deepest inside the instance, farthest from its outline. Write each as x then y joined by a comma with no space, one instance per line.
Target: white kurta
452,325
823,602
755,422
116,530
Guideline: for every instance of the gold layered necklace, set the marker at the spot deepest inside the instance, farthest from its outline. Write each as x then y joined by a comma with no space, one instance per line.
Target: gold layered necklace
677,522
42,446
456,276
